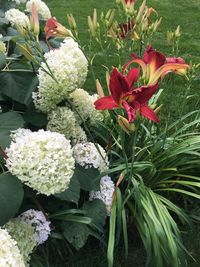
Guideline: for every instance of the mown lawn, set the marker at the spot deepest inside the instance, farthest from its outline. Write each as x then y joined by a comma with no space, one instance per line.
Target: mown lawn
174,13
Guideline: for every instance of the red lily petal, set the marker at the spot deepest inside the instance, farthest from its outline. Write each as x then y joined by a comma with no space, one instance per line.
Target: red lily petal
144,93
131,112
155,60
169,67
147,51
118,85
106,102
50,27
179,60
133,76
147,112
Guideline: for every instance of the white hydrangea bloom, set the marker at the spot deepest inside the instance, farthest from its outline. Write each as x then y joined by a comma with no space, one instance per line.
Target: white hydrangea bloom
9,252
17,18
24,235
2,47
84,104
37,220
42,160
19,133
42,8
63,120
105,193
87,155
69,66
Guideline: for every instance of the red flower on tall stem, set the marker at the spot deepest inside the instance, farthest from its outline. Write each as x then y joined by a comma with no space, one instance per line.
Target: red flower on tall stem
123,95
155,65
54,29
126,29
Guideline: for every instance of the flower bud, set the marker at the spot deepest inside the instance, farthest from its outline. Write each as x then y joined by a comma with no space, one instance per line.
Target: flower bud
177,32
125,125
99,88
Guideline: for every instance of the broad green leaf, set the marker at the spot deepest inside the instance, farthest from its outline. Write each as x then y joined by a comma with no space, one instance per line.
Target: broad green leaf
2,60
5,4
72,194
76,234
35,118
18,85
89,178
11,196
9,121
96,210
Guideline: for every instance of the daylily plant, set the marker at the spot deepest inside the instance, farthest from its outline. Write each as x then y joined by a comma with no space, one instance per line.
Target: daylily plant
155,65
125,96
54,29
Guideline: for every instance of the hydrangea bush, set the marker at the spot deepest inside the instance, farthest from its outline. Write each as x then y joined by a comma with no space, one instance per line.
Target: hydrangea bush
78,164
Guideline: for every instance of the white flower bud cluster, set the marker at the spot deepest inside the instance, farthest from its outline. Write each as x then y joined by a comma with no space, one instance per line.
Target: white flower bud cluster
42,160
88,155
37,220
17,18
84,104
9,252
69,70
24,235
29,230
105,193
62,120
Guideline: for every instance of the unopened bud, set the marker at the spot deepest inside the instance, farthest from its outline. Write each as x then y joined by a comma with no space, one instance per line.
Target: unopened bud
177,32
91,27
71,21
25,50
108,80
156,24
141,11
158,108
125,125
111,18
99,89
35,20
170,38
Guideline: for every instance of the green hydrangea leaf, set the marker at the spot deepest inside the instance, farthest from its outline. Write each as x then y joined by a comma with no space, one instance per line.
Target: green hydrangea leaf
89,178
11,196
9,121
76,234
71,194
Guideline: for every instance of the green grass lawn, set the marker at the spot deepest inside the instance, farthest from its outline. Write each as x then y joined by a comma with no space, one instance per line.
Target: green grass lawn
174,13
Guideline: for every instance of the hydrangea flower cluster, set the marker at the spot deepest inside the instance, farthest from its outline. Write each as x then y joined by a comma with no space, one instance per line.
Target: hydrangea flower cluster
37,219
105,193
42,8
42,160
2,47
24,234
87,155
17,18
29,229
62,120
69,67
84,104
9,252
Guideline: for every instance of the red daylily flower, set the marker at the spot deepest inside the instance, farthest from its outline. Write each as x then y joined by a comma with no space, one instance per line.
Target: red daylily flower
54,29
123,95
126,29
130,1
155,65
